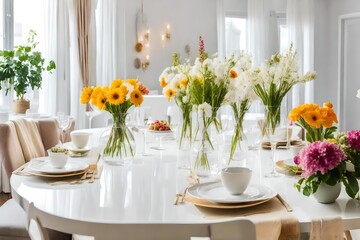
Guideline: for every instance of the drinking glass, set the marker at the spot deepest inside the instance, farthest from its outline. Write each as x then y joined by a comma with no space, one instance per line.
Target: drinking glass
173,118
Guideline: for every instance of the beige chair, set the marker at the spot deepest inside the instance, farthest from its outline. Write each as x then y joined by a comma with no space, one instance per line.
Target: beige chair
12,216
239,229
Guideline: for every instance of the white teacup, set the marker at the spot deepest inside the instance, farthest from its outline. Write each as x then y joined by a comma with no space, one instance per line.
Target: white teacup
58,159
295,149
236,179
80,139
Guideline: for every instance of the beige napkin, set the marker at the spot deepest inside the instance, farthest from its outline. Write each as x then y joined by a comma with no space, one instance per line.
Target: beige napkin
271,219
327,228
29,138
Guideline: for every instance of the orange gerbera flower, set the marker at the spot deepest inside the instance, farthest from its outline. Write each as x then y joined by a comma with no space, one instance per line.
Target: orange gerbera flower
233,74
136,97
163,82
169,93
115,96
117,83
86,95
313,118
94,94
132,82
101,100
328,105
294,114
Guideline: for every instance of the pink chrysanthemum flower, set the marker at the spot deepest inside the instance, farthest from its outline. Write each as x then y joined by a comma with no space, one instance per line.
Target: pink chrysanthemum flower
319,157
353,139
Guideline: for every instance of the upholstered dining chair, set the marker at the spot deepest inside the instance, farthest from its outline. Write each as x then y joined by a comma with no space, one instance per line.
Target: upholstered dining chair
12,216
240,229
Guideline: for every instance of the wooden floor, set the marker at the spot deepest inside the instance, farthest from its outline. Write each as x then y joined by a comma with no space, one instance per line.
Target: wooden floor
4,197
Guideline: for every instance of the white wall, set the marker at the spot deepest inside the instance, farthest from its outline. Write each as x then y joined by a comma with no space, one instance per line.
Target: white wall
326,63
327,13
188,20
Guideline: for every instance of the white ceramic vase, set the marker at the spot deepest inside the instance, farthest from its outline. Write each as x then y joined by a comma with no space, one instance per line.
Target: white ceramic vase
327,194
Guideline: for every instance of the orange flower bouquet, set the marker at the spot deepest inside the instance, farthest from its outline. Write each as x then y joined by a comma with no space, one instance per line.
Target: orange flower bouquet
117,99
315,120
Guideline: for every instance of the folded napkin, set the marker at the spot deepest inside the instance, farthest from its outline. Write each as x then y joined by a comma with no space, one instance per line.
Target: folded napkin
29,138
327,228
271,219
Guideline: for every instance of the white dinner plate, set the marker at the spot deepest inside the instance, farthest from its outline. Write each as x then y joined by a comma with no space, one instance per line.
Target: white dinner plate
43,165
70,146
216,192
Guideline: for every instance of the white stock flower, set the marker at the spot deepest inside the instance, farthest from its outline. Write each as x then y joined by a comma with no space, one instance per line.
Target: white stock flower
205,108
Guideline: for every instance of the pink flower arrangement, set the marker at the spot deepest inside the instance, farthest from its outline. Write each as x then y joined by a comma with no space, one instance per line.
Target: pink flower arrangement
353,139
319,157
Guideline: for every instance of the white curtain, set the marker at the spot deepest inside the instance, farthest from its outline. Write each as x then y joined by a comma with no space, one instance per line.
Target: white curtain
48,93
301,33
221,27
262,31
77,110
106,45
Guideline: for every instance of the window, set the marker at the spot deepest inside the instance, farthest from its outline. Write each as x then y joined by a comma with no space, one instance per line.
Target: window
235,35
18,21
283,34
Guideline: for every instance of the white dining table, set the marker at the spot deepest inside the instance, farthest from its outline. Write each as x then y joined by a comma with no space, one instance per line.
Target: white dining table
144,192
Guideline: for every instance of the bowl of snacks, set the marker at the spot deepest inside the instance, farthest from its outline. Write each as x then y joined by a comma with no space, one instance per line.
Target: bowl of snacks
58,156
159,126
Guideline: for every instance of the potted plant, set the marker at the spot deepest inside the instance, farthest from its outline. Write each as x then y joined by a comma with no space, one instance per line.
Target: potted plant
22,68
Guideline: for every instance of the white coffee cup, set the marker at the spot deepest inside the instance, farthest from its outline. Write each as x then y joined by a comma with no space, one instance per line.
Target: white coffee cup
236,179
80,139
58,159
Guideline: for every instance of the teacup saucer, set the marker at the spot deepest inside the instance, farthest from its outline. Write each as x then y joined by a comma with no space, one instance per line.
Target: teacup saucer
71,147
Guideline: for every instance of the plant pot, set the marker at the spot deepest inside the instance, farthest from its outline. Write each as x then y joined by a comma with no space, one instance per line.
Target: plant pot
327,193
20,106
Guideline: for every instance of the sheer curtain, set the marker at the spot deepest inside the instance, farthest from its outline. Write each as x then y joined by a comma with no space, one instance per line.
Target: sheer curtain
106,22
262,31
221,27
48,93
301,33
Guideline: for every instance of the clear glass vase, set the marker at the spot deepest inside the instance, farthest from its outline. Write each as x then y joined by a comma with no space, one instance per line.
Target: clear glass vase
118,142
185,141
205,157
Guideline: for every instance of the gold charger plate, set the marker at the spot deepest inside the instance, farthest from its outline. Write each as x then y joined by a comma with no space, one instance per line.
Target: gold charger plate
56,175
209,204
267,145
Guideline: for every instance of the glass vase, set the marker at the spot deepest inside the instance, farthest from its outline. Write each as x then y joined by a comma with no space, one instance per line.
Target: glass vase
118,141
205,158
185,141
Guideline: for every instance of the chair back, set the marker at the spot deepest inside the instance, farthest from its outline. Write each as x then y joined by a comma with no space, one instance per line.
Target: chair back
241,229
11,155
50,132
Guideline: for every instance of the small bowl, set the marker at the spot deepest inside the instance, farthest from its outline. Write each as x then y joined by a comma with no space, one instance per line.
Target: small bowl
80,139
58,159
236,179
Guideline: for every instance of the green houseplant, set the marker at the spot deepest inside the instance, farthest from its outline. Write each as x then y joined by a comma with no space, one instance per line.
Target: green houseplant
21,69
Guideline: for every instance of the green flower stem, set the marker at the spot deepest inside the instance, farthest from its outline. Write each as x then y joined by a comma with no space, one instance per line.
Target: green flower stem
272,117
186,129
239,111
202,157
119,140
